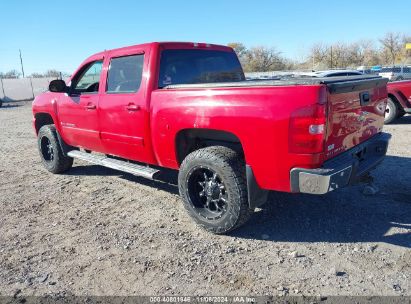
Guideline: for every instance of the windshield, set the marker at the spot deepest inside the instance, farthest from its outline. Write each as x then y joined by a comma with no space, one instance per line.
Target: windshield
198,66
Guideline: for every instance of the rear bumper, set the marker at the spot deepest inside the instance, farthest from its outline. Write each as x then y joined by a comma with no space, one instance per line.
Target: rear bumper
344,169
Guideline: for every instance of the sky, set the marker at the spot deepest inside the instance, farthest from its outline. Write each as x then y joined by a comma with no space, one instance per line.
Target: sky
61,34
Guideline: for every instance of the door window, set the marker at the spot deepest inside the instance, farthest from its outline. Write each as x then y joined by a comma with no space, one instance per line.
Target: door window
88,79
124,75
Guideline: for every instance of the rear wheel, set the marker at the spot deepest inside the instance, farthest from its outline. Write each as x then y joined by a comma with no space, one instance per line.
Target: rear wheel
213,187
391,112
50,150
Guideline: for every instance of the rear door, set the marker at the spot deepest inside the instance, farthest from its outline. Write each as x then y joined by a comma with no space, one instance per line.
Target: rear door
355,113
123,112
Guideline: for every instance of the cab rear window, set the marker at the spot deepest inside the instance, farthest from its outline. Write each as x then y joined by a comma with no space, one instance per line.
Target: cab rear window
198,66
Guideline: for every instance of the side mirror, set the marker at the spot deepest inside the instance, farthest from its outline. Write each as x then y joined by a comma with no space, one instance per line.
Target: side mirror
57,86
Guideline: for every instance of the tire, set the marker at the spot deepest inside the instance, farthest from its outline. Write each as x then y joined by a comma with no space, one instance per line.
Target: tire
213,188
391,111
1,103
51,152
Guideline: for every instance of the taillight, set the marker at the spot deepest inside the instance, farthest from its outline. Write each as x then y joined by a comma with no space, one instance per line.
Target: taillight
307,129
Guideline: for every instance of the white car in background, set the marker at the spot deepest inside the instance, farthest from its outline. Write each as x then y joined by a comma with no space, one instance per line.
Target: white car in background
331,73
396,73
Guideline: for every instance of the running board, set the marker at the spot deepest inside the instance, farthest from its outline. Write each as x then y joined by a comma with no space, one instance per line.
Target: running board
116,164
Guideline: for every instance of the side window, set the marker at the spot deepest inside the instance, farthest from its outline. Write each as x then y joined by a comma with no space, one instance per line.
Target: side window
124,75
88,80
337,75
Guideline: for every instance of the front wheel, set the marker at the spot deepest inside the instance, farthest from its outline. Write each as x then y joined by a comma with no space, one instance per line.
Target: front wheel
213,187
391,112
50,150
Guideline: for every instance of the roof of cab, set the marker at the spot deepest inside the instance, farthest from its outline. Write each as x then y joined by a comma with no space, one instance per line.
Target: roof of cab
165,44
173,44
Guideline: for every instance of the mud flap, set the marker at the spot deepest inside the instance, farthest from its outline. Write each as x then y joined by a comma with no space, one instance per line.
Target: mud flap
256,195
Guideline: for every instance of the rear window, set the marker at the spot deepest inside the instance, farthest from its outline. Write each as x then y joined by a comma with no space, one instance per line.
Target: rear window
198,66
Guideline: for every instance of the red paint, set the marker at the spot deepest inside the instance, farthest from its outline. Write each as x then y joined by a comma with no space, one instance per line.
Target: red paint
349,123
143,126
401,90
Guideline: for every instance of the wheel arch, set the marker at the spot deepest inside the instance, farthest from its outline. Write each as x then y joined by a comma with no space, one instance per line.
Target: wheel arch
41,119
399,99
190,140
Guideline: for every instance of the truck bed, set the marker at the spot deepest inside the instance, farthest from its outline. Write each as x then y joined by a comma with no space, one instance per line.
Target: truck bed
333,83
352,110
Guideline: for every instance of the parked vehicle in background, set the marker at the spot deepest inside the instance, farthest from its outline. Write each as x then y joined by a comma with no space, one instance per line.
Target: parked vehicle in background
187,106
331,73
376,68
364,70
396,73
372,70
399,100
369,70
399,92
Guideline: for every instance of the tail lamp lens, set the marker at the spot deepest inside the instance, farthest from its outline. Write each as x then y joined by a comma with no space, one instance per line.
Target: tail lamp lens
306,129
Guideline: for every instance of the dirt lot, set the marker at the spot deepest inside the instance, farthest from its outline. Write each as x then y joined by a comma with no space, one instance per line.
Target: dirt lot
95,231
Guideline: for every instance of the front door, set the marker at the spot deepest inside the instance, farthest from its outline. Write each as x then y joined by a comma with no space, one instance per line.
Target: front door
77,110
123,112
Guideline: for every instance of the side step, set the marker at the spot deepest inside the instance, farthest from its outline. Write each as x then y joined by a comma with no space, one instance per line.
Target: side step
116,164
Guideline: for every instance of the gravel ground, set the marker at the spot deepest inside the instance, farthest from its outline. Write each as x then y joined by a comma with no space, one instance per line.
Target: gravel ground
95,231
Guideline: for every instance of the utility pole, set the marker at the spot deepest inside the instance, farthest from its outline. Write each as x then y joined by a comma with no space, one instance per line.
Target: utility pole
331,47
21,62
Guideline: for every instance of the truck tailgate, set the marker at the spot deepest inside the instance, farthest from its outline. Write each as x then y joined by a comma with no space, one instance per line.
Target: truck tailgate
355,110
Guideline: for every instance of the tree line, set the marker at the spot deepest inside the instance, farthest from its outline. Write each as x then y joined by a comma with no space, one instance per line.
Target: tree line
13,74
388,50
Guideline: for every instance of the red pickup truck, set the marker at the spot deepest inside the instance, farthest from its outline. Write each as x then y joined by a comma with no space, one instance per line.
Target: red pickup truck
187,106
399,100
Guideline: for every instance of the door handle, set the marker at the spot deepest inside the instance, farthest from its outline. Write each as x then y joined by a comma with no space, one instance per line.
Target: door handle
90,106
133,107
